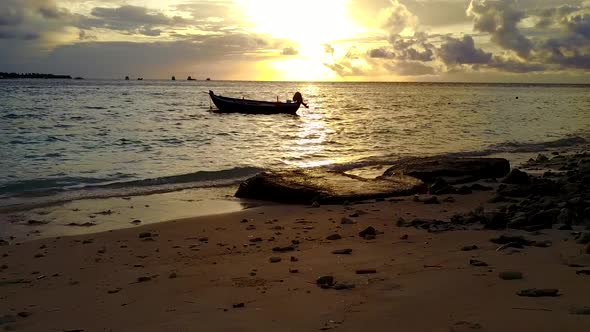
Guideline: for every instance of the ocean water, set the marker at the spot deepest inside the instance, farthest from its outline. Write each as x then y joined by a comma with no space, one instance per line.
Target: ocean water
64,140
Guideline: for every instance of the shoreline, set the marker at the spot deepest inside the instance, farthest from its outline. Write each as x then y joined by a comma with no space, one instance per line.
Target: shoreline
271,268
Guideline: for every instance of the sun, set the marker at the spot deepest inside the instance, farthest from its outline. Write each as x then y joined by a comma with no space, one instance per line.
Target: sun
306,25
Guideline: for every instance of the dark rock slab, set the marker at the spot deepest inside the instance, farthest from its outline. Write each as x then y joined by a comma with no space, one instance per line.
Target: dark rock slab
469,169
304,186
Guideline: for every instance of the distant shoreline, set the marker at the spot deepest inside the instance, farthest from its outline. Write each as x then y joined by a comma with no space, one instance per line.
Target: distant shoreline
33,75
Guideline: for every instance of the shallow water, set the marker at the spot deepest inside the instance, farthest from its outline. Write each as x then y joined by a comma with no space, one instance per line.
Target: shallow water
150,136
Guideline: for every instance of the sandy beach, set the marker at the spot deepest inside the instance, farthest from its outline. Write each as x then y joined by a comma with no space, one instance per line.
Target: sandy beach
299,268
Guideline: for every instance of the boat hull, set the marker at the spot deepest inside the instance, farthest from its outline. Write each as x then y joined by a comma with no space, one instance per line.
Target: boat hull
234,105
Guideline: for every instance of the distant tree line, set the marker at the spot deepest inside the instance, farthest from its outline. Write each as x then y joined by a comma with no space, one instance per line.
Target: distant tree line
33,75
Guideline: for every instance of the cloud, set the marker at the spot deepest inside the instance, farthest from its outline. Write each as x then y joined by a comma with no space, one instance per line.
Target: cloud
500,18
463,51
328,49
513,66
381,53
29,19
396,18
409,68
290,51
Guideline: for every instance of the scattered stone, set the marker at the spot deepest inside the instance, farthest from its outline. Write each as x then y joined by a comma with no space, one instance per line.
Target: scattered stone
535,292
343,286
244,221
144,279
517,176
469,248
587,249
505,239
542,244
102,250
136,222
404,237
449,199
238,305
293,271
342,252
283,249
251,228
580,311
476,262
4,243
333,237
325,281
204,239
510,275
173,275
274,259
294,259
368,231
144,235
24,314
114,291
347,221
366,271
256,239
77,224
39,255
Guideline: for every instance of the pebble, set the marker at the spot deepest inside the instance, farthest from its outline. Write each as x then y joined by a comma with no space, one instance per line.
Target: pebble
469,248
293,271
24,314
347,221
580,311
173,275
333,237
144,279
239,305
144,235
536,292
256,239
476,262
283,249
366,271
342,252
274,259
294,259
510,275
368,231
404,237
325,280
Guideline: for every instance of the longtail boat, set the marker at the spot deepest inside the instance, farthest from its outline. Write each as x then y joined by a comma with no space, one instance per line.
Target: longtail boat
236,105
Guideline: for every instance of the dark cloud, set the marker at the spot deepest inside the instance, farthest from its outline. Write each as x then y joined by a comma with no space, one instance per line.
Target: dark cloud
28,19
410,68
381,53
463,51
513,66
548,17
290,51
500,18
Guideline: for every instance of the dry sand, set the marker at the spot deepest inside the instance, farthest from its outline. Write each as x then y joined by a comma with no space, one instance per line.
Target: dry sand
189,274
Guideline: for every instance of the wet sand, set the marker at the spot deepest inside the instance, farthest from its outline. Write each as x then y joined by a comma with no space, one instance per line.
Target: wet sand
214,273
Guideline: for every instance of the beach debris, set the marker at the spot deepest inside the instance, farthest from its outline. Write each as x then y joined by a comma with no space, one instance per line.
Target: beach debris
368,232
538,292
342,252
580,311
274,259
469,248
283,249
476,262
510,275
366,271
333,237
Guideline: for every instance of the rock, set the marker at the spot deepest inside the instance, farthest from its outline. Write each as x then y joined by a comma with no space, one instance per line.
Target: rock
368,231
173,275
283,249
204,239
535,292
24,314
501,199
136,222
315,204
431,200
404,237
510,275
480,187
517,176
441,187
342,252
541,158
4,243
347,221
324,186
587,249
366,271
580,311
565,228
584,238
505,239
256,239
449,199
77,224
369,237
542,244
583,272
469,248
293,271
430,168
476,262
495,220
144,235
464,190
565,216
333,237
114,290
274,259
238,305
294,259
144,279
325,281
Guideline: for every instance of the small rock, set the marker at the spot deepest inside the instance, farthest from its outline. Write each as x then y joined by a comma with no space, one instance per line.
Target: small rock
366,271
274,259
114,291
325,281
469,248
293,271
315,204
39,255
431,200
333,237
581,272
343,286
342,252
587,249
144,235
173,275
244,221
476,262
347,221
204,239
449,199
238,305
510,275
580,311
294,259
136,222
535,292
24,314
516,176
283,249
144,279
368,231
256,239
404,237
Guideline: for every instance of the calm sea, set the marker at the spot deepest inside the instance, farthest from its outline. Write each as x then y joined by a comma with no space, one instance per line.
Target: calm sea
92,138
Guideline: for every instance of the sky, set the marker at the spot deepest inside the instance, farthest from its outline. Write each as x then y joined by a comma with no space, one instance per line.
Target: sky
302,40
